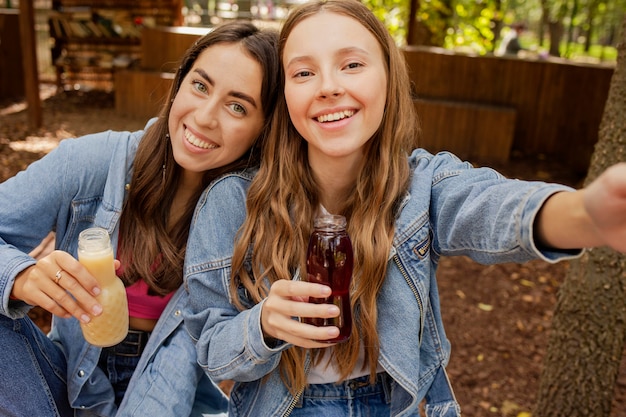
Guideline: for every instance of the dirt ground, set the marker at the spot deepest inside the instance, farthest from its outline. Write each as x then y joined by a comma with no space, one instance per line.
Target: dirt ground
497,317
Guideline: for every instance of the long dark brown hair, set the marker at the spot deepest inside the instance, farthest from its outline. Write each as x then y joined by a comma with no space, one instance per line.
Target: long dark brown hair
283,199
150,248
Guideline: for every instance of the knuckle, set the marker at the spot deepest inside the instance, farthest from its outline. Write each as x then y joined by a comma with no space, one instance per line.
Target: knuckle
65,298
48,305
70,283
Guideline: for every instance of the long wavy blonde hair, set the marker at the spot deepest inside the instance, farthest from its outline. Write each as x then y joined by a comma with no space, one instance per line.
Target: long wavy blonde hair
283,198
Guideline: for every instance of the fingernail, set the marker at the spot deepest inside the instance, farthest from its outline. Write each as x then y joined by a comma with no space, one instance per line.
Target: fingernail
97,309
325,291
96,291
85,318
334,310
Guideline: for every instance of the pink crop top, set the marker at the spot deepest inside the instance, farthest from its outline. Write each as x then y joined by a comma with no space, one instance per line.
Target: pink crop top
142,305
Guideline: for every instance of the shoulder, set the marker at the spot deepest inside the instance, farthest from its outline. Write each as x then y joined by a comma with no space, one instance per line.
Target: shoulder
102,143
431,174
440,164
225,198
232,185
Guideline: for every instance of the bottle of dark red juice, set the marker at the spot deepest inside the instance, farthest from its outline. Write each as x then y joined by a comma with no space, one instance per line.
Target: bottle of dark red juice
329,262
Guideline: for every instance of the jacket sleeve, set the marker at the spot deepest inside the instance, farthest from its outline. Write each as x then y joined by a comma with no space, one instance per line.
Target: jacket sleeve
481,214
38,200
229,343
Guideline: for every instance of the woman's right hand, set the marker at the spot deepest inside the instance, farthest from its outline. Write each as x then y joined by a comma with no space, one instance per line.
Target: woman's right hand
61,285
286,302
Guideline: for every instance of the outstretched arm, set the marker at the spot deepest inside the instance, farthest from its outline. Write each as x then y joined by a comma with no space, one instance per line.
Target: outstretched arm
592,216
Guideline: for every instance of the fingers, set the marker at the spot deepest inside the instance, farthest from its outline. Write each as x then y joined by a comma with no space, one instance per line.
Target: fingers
76,273
286,303
61,285
605,203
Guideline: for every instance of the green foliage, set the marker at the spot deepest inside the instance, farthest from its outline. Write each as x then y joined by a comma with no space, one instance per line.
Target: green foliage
436,15
473,29
472,25
394,14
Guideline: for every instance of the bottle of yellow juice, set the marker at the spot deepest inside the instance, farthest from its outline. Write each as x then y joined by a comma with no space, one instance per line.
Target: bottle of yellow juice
96,254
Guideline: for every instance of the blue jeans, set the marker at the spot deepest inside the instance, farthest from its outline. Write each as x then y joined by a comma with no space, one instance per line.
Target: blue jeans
354,398
118,369
32,372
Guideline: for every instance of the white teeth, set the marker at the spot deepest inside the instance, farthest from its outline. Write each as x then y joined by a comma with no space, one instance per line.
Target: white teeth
333,117
197,142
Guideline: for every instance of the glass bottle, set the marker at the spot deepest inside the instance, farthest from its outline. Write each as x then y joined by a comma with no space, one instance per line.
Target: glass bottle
329,262
96,254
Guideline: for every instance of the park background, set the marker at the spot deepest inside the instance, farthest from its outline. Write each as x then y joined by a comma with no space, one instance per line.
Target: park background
498,317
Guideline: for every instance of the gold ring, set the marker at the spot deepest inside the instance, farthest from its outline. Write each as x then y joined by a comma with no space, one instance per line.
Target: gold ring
58,276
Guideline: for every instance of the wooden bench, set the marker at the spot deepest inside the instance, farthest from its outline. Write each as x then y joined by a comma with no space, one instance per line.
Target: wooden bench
140,92
471,131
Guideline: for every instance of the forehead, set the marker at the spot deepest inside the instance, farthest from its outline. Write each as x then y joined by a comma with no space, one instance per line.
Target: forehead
230,65
329,30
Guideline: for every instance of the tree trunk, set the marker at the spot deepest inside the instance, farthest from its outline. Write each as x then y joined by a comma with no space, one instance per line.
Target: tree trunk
570,28
496,24
556,34
543,22
586,341
591,14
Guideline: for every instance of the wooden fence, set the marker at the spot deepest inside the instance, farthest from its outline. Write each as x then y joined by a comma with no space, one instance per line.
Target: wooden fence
11,67
484,107
479,107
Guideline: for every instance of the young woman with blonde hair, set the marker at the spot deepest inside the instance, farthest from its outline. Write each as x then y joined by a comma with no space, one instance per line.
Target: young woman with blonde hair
341,141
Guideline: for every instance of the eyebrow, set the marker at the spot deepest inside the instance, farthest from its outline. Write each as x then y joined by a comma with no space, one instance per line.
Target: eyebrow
342,51
237,94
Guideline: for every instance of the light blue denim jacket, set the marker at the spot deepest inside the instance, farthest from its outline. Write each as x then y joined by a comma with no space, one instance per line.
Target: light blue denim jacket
450,209
78,185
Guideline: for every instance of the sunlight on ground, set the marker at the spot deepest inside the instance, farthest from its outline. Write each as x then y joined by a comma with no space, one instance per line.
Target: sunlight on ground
34,144
45,92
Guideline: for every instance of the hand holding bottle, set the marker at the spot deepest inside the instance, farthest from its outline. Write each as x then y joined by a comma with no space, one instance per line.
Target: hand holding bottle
286,303
315,313
58,283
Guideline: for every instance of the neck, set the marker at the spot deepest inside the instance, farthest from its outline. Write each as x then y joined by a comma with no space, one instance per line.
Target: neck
336,178
187,187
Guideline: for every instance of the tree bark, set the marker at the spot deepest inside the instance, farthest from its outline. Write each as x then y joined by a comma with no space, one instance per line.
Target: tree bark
586,341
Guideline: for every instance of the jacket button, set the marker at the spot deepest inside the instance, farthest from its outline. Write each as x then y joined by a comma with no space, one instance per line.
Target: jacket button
177,313
81,373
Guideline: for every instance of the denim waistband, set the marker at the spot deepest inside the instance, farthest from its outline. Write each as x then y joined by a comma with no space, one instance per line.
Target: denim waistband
351,388
132,345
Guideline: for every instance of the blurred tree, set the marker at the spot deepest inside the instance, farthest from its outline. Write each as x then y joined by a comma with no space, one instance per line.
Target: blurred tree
586,342
477,24
394,14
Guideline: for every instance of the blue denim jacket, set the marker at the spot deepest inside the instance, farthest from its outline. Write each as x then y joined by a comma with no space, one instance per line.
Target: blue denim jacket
445,212
78,185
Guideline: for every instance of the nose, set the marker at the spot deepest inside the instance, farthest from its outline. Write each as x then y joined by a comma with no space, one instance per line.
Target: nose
330,87
206,114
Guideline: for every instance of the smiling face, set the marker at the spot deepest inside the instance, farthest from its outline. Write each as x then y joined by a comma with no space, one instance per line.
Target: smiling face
217,113
335,86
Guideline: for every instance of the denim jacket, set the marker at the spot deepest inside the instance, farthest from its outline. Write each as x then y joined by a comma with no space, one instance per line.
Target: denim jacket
445,212
81,184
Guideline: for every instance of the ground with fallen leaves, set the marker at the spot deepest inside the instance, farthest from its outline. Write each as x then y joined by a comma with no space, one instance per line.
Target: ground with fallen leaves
497,317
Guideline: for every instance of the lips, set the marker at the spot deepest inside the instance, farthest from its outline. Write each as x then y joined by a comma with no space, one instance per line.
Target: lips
333,117
195,141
